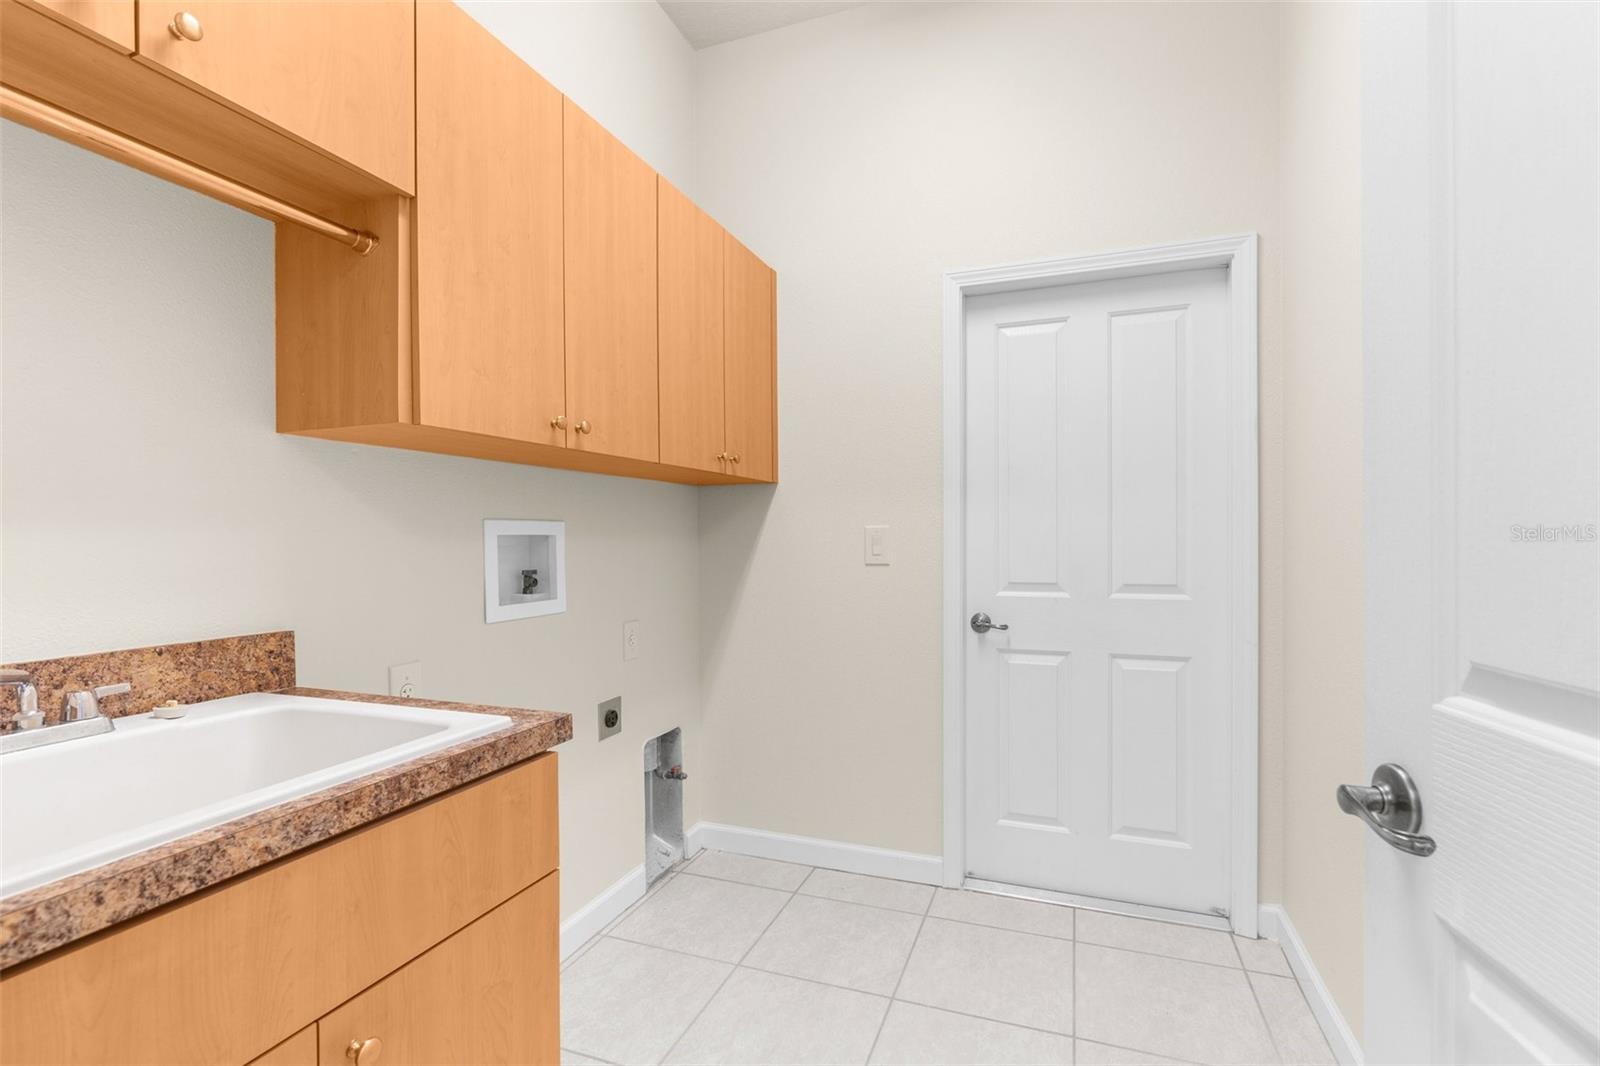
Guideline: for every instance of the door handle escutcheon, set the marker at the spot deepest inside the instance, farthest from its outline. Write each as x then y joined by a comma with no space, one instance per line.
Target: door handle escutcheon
1391,807
982,624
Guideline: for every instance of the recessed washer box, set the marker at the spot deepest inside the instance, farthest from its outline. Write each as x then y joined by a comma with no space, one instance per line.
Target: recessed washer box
524,568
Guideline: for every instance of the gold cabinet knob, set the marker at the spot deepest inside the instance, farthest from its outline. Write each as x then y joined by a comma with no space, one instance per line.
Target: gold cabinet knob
558,422
583,426
722,457
733,458
364,1052
185,26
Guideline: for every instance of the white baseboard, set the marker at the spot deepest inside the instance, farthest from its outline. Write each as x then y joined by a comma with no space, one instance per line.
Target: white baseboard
1275,925
601,911
811,851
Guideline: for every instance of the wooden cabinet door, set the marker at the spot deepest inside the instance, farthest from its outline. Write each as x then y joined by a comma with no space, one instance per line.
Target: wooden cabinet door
690,263
337,74
610,201
751,369
489,995
299,1050
109,21
488,221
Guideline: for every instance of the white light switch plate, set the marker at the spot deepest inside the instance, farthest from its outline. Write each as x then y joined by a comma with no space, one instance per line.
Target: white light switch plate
405,680
877,546
630,640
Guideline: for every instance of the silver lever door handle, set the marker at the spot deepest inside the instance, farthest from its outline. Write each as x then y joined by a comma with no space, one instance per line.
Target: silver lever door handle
982,624
1391,808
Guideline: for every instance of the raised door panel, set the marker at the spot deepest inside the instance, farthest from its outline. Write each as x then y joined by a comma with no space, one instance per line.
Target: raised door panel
691,335
337,74
299,1050
751,365
109,21
489,353
610,216
488,995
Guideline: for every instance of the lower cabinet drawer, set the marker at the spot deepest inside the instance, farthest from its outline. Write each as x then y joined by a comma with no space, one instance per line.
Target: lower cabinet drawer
488,996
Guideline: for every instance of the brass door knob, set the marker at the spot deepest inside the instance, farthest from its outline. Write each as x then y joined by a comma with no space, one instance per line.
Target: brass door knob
185,26
558,422
583,426
364,1052
722,457
733,458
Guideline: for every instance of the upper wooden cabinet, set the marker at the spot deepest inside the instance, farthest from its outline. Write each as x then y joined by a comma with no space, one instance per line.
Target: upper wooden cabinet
690,254
108,21
337,74
610,216
751,364
489,357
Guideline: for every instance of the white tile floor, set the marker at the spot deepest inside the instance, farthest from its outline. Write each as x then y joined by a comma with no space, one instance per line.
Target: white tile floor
737,960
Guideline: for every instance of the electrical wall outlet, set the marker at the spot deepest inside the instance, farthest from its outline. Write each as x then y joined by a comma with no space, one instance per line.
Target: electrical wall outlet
611,717
630,640
405,680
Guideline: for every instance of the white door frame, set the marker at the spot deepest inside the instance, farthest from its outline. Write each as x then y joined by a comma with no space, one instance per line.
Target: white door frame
1238,254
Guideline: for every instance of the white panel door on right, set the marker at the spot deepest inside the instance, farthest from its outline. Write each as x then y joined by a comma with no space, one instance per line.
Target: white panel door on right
1097,531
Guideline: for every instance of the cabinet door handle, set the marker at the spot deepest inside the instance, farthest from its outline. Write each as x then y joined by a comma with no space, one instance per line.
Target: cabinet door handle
558,422
583,426
364,1052
185,26
733,458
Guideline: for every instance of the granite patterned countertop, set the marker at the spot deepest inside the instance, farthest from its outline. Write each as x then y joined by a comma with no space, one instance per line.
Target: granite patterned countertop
50,916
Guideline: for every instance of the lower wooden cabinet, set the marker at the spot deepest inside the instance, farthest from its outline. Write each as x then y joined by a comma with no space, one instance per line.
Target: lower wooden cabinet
487,995
433,930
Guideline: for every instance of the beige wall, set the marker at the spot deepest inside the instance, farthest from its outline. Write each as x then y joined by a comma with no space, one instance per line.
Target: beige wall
146,498
864,154
1322,743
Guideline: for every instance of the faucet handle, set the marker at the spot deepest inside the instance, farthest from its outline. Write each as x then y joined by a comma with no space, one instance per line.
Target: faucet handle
85,703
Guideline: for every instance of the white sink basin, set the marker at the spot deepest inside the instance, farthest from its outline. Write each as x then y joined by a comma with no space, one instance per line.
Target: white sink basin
78,804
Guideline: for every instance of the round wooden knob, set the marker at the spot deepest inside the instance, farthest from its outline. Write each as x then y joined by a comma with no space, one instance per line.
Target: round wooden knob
364,1052
185,26
583,426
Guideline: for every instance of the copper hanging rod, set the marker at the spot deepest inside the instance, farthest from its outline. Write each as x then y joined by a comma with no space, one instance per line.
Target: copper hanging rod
47,118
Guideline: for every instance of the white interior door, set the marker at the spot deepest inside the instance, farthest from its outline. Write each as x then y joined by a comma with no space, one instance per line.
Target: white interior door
1482,295
1097,530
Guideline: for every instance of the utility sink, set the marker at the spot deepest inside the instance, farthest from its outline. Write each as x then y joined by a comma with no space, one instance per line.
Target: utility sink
78,804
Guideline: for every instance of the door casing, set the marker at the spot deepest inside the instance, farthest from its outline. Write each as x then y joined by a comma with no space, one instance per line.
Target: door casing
1238,255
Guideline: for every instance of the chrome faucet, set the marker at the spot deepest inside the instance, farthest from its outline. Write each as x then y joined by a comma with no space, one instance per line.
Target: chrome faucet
28,716
80,714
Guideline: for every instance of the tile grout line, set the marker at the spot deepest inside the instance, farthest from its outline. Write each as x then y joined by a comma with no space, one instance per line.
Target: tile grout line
1075,1019
955,921
727,976
1256,999
895,991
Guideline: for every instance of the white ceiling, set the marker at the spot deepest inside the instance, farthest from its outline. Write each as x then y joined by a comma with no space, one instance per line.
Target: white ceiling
707,22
